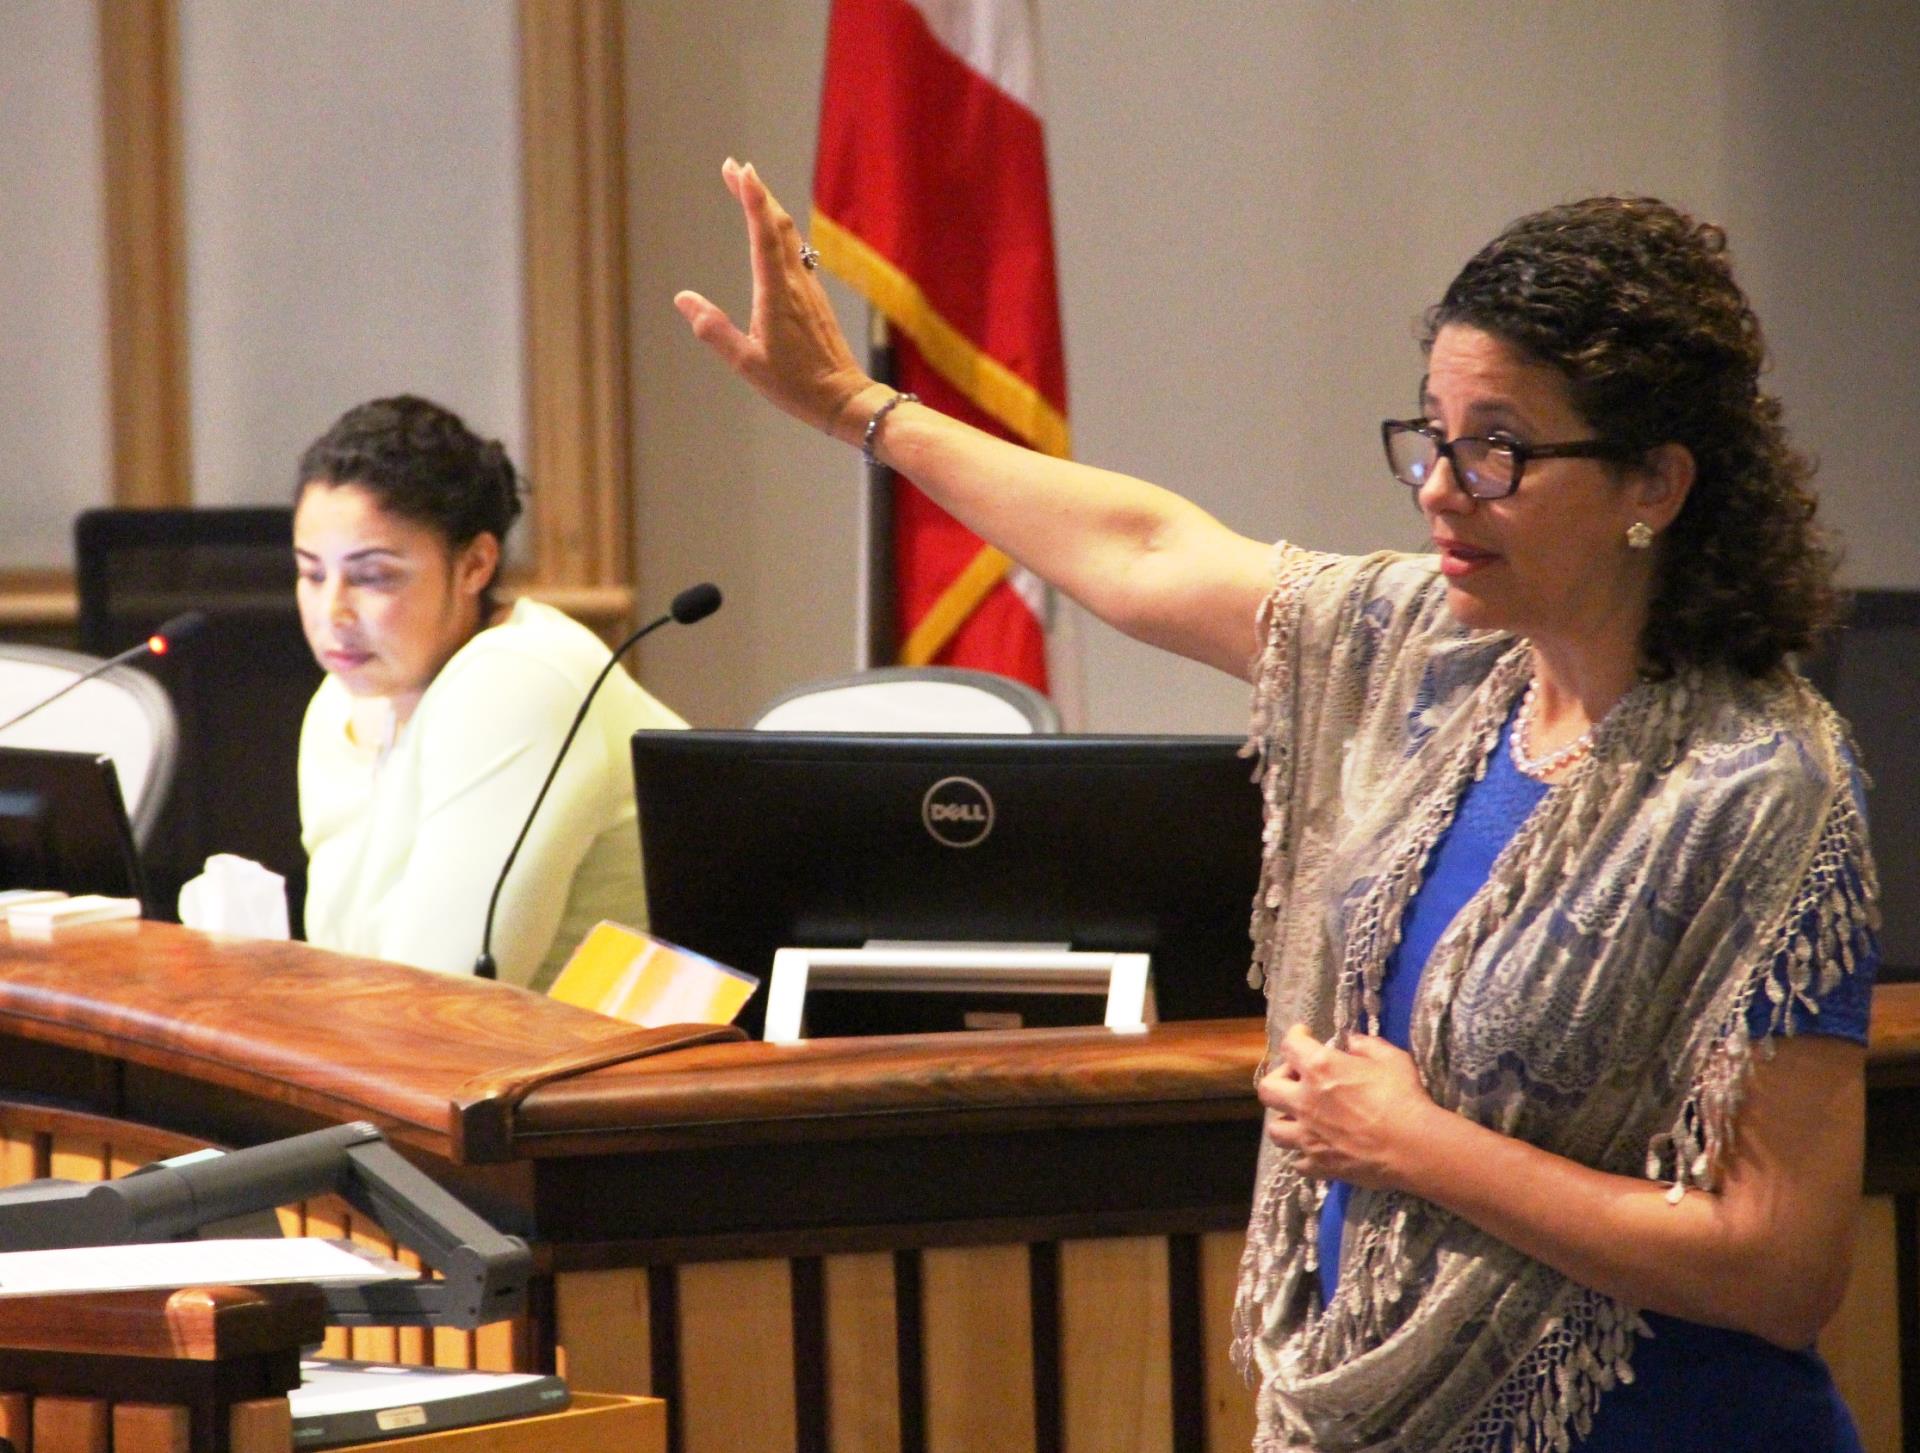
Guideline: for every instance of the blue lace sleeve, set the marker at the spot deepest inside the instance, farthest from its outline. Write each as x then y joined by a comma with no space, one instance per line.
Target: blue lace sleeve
1841,1012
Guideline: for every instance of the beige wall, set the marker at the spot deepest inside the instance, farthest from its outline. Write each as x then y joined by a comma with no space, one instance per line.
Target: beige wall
53,302
350,171
351,178
1254,200
728,490
1823,202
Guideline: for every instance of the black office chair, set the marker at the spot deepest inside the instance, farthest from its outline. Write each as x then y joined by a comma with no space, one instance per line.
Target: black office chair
239,689
1866,669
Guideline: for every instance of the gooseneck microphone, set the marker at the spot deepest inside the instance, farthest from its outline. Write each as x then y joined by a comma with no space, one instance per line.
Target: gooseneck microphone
695,603
170,634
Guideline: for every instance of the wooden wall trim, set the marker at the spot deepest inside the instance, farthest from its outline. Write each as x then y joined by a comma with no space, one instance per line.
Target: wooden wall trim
146,252
47,599
37,599
574,204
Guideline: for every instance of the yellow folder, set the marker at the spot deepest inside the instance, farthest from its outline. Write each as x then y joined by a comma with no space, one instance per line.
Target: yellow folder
648,981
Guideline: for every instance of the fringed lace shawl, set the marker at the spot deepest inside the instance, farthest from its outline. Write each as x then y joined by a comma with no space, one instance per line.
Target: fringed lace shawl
1592,998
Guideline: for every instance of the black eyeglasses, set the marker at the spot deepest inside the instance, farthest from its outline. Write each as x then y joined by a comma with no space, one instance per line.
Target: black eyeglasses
1487,466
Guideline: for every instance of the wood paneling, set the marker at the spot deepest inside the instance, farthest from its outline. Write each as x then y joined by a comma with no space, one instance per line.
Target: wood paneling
416,1343
33,1129
1861,1344
736,1357
39,602
452,1347
496,1348
1229,1399
146,260
1116,1369
979,1350
16,1157
263,1425
70,1425
574,194
150,1428
329,1217
603,1332
371,1344
80,1159
16,1420
863,1372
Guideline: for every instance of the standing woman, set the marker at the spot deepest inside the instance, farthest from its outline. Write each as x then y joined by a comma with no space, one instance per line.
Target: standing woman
1566,919
423,749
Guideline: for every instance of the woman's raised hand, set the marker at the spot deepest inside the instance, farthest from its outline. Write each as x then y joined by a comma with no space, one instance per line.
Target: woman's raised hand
792,351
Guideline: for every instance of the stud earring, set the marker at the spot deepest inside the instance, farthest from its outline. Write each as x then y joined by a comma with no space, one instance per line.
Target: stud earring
1639,535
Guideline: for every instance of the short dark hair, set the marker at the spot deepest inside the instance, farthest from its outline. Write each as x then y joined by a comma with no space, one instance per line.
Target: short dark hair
423,463
1635,303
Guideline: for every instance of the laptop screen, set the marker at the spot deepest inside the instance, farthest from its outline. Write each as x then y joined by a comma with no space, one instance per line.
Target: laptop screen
63,825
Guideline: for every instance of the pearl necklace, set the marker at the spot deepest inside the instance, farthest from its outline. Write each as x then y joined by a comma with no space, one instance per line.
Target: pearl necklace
1542,768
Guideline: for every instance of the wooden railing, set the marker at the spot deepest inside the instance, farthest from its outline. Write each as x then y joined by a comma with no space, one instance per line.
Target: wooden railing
204,1368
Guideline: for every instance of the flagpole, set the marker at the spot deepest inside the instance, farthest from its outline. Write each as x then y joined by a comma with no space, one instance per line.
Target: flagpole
878,615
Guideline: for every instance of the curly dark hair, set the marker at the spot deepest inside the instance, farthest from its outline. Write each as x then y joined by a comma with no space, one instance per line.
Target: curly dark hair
423,463
1635,303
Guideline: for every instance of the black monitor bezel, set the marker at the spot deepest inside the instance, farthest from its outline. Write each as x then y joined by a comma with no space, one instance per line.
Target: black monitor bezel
93,847
704,755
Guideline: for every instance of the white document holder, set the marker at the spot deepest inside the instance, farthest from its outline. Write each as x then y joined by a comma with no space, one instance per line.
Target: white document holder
956,967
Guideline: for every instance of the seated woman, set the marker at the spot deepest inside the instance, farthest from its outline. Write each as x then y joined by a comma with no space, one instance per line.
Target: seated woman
1567,917
423,749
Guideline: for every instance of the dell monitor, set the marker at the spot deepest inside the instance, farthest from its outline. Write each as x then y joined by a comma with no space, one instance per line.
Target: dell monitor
755,841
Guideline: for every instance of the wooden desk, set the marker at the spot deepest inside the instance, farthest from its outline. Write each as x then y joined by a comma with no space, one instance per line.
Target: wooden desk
201,1368
594,1423
832,1244
208,1369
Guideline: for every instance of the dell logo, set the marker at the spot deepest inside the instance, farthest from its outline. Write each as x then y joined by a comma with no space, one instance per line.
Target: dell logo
958,812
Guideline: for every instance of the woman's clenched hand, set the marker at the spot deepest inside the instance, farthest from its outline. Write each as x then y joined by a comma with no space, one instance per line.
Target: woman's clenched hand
1353,1115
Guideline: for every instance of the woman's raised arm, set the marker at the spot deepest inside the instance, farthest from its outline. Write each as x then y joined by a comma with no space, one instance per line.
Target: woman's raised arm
1140,557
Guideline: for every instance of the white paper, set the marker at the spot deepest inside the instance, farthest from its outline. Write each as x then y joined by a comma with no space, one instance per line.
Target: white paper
191,1263
17,898
43,917
329,1389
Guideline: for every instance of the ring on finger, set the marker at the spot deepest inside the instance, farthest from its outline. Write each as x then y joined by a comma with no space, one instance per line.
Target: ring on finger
809,256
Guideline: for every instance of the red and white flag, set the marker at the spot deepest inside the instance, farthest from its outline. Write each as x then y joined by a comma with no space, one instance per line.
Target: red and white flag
930,198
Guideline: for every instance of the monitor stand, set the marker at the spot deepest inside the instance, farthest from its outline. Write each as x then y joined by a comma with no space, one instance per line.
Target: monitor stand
885,966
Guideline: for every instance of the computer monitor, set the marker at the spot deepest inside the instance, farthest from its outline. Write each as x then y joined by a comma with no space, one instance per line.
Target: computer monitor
1867,670
755,841
63,825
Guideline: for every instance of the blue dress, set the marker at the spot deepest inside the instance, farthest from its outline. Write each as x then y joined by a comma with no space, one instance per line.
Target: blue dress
1695,1387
